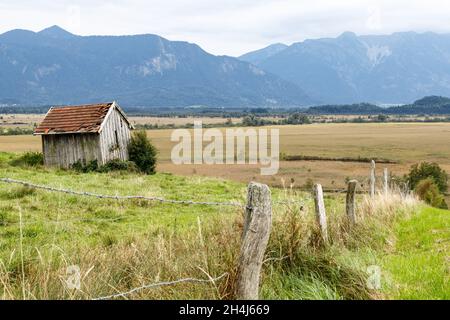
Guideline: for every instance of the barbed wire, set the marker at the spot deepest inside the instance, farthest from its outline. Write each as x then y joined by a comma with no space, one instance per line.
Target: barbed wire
159,284
117,197
158,199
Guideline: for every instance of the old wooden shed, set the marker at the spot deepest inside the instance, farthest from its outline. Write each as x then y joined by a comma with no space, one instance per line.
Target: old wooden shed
84,133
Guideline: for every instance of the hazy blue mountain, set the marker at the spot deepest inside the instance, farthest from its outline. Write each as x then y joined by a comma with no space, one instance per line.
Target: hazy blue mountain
54,66
431,105
56,32
397,68
260,55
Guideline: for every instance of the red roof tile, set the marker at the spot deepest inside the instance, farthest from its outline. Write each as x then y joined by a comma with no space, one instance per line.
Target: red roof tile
74,119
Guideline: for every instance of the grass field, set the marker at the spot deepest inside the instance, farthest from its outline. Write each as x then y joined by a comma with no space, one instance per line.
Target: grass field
119,245
407,143
420,263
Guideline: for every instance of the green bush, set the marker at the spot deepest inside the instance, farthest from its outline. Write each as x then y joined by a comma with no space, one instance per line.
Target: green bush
91,166
118,165
142,152
427,170
32,159
428,191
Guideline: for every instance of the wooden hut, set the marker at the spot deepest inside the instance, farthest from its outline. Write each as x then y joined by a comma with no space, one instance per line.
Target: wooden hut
84,133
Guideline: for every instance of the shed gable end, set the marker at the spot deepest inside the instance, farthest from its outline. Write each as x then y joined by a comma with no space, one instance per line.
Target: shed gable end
115,136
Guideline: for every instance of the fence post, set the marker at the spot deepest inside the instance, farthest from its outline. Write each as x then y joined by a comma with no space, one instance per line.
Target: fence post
386,181
350,201
257,225
320,211
372,178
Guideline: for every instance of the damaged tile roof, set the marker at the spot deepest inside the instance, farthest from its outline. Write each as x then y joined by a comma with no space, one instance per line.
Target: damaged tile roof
74,119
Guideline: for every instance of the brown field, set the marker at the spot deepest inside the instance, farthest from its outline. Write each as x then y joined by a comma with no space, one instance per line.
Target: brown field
180,121
29,120
407,143
20,120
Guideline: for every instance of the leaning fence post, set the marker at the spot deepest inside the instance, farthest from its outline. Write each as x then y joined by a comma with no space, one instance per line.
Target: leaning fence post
320,211
372,178
350,201
386,181
257,224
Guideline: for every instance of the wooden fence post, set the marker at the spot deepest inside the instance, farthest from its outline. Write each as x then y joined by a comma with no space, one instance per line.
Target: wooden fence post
386,181
350,201
372,178
320,211
257,225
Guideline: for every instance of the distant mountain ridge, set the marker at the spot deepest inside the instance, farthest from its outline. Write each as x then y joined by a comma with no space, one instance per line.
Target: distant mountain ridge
54,66
397,68
431,105
260,55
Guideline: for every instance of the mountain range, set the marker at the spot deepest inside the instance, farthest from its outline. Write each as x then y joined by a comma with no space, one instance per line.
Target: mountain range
431,105
397,68
54,66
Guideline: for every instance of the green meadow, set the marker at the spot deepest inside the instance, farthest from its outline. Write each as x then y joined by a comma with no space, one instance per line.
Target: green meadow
119,245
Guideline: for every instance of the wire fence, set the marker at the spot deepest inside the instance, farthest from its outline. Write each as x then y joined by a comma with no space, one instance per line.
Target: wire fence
251,257
147,198
118,197
289,202
125,294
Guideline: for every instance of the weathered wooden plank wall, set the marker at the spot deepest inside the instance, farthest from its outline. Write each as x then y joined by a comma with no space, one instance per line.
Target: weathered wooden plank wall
65,149
112,148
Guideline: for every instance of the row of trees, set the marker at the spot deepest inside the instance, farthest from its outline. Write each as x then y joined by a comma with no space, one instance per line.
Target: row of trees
294,118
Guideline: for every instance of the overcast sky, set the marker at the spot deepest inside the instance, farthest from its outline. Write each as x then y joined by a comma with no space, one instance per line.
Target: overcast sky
230,27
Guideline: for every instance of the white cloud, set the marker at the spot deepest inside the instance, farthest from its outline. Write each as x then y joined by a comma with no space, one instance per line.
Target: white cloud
229,27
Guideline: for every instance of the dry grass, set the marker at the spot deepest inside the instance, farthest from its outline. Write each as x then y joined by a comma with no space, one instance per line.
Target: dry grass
150,242
115,266
408,143
180,121
298,253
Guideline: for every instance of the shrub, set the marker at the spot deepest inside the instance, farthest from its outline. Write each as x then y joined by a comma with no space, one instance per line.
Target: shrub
428,191
142,152
89,167
118,165
77,166
32,159
426,170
